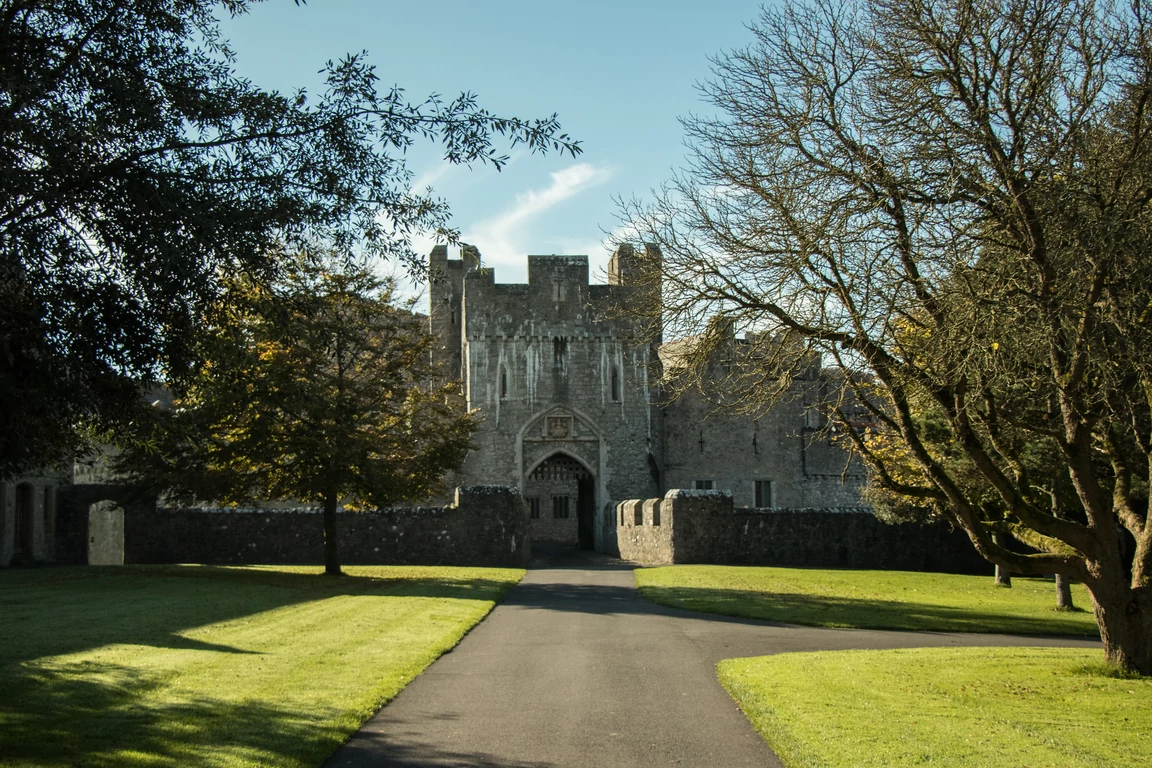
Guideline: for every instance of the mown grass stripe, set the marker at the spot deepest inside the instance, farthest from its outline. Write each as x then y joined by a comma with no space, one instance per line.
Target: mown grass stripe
202,666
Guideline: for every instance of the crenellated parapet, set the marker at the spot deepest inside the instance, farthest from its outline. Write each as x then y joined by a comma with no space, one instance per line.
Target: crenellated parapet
688,526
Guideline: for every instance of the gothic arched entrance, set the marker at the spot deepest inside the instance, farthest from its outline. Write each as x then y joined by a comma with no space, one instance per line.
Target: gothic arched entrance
561,495
560,455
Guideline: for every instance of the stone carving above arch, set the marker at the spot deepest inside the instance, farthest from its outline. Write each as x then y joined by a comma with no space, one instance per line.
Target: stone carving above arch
560,430
559,425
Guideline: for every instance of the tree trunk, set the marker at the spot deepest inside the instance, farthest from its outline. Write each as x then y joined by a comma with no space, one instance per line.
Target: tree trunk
331,548
1003,575
1063,593
1125,619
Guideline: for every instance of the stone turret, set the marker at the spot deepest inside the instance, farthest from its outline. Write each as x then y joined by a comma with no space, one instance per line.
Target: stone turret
639,273
445,294
625,264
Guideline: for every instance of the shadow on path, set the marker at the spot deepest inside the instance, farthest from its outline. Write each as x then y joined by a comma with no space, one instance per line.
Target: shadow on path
759,608
403,748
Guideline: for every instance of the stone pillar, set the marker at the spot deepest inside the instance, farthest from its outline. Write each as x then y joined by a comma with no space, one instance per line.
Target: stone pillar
105,534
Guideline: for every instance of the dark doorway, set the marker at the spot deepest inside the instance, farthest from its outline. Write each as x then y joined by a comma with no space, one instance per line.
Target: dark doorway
564,491
586,512
23,540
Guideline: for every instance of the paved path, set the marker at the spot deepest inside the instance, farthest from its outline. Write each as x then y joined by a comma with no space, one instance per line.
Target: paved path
575,669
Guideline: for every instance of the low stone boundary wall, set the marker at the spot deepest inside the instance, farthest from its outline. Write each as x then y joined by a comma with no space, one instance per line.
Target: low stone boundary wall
703,527
487,526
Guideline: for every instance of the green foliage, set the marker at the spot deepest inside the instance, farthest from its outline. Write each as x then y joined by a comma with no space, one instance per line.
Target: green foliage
317,387
138,166
966,707
202,666
899,600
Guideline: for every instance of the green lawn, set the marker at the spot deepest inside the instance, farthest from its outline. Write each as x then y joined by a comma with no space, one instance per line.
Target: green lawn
199,666
869,599
971,707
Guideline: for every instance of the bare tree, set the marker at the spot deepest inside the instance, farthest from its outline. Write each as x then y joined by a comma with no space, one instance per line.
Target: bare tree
948,200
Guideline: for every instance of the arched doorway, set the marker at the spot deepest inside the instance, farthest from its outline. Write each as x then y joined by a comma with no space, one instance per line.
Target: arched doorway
561,455
561,495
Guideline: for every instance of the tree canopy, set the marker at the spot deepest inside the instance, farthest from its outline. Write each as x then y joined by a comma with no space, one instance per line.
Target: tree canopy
949,201
138,166
315,388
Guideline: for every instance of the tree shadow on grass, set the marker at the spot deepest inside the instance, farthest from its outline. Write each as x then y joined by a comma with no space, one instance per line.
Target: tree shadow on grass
826,611
50,612
103,715
107,715
95,713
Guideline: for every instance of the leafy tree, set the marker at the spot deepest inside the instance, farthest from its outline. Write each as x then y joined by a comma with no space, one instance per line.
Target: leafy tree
314,388
948,200
136,166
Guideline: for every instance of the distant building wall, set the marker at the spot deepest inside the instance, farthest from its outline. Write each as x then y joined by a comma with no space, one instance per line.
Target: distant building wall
733,451
704,527
28,518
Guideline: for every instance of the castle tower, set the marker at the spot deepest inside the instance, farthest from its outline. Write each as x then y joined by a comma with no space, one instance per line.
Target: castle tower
640,273
621,264
445,292
626,267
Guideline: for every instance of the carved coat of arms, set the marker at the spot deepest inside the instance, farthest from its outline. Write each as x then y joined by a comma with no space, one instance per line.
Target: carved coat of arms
558,427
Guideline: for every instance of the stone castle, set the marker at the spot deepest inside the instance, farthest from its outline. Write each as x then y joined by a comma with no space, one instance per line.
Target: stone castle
576,417
575,410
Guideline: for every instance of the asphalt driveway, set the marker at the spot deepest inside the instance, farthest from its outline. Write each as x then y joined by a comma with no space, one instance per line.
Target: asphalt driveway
575,669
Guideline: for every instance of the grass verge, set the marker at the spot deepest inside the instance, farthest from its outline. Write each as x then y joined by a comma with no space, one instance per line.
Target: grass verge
902,600
199,666
972,707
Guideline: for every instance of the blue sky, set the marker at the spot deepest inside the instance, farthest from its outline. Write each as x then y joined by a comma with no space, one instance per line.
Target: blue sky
618,73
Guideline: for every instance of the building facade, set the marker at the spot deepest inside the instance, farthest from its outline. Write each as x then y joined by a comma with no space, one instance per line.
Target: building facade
28,518
575,414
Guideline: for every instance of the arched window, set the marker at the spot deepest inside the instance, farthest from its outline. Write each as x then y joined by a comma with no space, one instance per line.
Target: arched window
503,382
615,384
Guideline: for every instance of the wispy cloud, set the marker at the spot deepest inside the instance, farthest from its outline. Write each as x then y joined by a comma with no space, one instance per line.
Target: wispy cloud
429,176
504,238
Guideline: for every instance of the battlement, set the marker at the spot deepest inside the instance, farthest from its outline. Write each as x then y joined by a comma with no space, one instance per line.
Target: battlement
554,260
467,302
548,270
544,272
438,259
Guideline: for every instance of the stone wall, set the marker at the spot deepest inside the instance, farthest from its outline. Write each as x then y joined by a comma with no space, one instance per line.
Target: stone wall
72,514
644,532
487,526
703,527
547,526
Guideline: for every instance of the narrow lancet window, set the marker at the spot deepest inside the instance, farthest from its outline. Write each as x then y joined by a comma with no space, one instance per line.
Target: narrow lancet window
615,385
503,382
